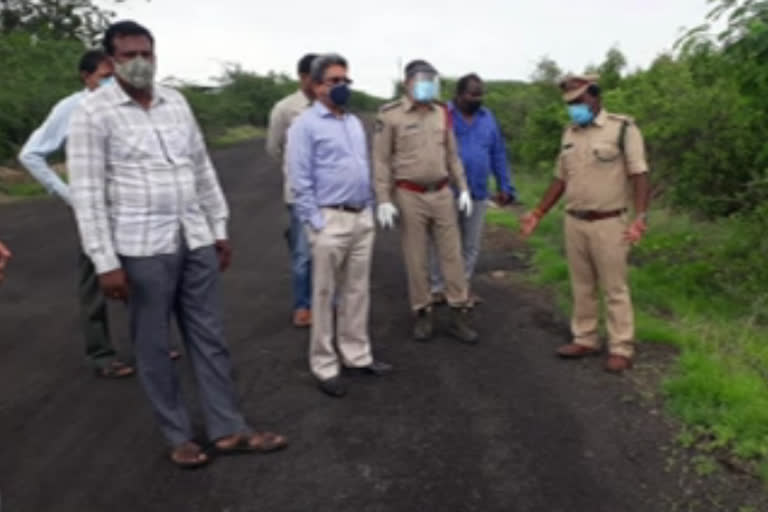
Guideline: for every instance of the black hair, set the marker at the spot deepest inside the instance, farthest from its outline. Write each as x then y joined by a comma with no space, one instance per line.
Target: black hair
418,65
305,63
322,63
463,83
122,29
90,61
594,90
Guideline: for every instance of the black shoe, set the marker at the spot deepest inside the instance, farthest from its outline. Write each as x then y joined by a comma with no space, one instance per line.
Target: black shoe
422,329
333,387
460,326
377,369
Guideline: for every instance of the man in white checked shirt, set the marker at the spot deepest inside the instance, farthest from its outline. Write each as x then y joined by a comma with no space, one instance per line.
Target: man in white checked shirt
153,220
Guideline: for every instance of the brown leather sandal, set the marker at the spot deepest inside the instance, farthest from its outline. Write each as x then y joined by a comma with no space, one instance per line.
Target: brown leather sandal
116,370
257,442
189,455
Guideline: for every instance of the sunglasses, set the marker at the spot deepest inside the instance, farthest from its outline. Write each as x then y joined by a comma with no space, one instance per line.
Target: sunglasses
336,80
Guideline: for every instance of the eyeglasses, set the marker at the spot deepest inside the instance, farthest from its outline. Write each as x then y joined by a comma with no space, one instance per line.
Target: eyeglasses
336,80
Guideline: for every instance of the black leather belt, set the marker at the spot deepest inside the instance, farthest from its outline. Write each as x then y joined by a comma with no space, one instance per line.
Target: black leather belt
593,215
346,208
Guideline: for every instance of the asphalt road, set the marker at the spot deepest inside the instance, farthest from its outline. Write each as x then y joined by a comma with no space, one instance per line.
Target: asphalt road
503,426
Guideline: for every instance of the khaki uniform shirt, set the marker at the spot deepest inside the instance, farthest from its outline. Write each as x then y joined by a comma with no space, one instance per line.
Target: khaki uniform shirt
415,145
592,164
281,117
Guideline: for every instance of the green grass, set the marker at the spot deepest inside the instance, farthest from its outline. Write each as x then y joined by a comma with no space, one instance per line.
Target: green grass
702,287
25,189
236,135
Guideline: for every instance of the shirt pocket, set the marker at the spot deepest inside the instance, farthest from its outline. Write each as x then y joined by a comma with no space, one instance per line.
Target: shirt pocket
129,144
176,141
605,152
409,140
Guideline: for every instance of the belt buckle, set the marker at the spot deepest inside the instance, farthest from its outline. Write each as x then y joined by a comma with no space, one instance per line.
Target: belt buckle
432,187
581,214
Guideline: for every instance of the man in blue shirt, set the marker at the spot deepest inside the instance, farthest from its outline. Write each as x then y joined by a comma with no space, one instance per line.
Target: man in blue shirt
95,69
328,164
482,151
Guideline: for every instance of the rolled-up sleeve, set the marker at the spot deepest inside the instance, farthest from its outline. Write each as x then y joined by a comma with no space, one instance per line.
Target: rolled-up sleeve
276,130
299,160
86,156
45,141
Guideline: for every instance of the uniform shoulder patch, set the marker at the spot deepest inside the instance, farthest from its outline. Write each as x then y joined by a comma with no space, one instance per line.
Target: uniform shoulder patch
389,106
621,118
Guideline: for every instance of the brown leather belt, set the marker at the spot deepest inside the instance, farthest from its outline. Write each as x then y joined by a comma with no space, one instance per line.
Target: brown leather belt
346,208
593,215
421,188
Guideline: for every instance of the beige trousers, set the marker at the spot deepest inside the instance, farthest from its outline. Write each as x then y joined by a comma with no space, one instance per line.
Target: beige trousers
341,268
597,259
421,215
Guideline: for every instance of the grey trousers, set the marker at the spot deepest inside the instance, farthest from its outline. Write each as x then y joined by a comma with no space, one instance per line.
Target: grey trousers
99,352
471,240
184,284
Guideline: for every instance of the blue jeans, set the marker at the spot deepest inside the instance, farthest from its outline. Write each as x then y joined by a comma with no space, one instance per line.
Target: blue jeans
301,262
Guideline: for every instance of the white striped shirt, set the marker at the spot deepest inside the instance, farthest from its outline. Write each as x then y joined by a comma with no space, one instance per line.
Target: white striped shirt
141,179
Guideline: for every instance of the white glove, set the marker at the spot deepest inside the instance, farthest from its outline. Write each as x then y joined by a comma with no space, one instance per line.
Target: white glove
465,203
386,213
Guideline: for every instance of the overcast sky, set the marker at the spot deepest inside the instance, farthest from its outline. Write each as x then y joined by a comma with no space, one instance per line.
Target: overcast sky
495,38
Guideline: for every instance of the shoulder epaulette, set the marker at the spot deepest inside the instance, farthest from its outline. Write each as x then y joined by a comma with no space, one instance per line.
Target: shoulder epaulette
390,105
621,118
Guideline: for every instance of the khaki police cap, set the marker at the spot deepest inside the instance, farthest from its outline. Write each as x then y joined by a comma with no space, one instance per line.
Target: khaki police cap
574,86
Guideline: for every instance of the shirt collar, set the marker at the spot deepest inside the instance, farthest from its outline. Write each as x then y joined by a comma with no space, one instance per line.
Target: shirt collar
598,121
120,97
480,112
322,111
300,94
409,104
600,118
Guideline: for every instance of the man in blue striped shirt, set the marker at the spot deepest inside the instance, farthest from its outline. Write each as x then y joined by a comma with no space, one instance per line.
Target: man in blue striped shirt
483,153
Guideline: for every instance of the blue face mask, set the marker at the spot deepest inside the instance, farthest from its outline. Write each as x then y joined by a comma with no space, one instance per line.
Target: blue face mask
581,114
340,94
106,81
424,91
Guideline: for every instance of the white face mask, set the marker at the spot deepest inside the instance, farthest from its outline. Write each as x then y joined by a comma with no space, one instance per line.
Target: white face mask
138,72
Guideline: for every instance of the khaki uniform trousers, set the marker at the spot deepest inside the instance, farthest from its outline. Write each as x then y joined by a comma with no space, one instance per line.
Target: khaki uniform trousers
421,215
597,259
341,259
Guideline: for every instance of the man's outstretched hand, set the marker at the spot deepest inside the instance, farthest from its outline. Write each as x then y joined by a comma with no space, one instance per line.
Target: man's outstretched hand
529,223
5,257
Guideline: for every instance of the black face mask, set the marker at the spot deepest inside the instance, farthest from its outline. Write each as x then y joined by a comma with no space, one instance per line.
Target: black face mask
471,106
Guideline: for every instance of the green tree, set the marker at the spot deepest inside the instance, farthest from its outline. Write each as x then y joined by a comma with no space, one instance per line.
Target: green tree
611,68
37,72
546,71
59,19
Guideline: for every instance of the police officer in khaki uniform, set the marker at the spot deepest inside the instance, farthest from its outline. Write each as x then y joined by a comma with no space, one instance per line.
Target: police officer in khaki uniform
601,166
417,168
